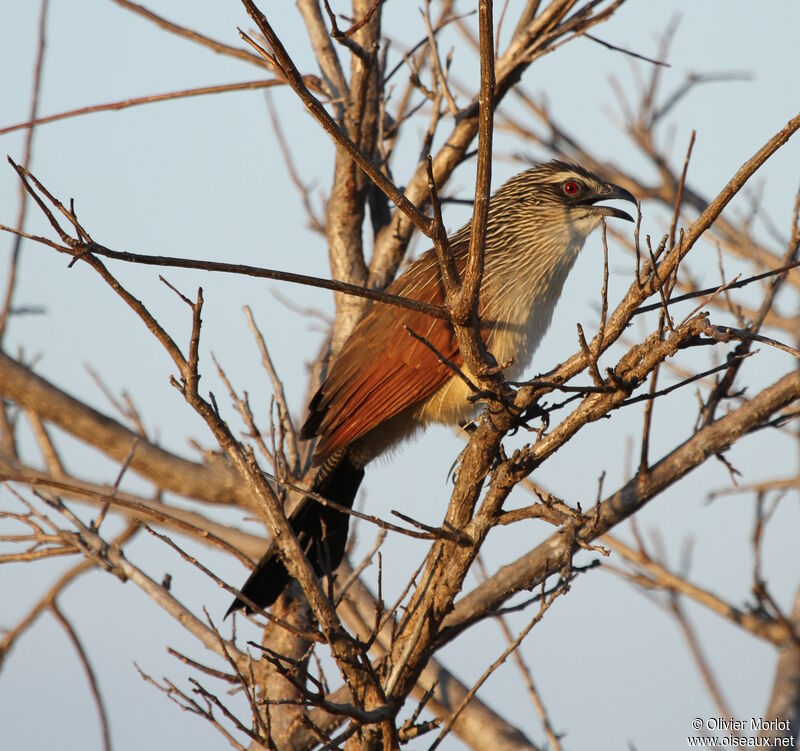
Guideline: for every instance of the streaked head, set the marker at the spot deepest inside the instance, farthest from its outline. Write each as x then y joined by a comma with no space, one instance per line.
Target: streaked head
538,222
566,191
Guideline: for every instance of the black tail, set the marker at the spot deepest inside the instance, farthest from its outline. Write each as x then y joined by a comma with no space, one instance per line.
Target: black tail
321,532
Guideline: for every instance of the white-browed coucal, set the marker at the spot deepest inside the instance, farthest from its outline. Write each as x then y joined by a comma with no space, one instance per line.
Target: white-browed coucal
385,384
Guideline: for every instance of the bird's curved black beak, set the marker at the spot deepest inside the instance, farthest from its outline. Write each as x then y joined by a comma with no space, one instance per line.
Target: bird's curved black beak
611,192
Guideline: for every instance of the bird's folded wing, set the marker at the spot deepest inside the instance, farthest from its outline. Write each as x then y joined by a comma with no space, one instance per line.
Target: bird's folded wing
382,368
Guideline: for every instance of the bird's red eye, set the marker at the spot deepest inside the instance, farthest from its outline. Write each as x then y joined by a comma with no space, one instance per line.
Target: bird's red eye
571,188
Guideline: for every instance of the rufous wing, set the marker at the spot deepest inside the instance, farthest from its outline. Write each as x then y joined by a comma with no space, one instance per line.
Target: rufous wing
382,369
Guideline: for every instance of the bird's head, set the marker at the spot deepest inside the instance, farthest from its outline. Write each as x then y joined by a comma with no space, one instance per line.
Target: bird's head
557,199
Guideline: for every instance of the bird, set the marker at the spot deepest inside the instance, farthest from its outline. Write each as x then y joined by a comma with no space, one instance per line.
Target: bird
386,384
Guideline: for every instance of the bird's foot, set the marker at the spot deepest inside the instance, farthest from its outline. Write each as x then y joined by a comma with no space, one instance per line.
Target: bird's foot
532,413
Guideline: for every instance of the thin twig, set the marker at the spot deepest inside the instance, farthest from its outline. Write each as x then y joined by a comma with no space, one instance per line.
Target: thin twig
55,590
510,649
437,63
624,51
317,223
277,387
95,249
455,369
303,633
289,70
715,290
27,155
190,34
139,100
93,685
